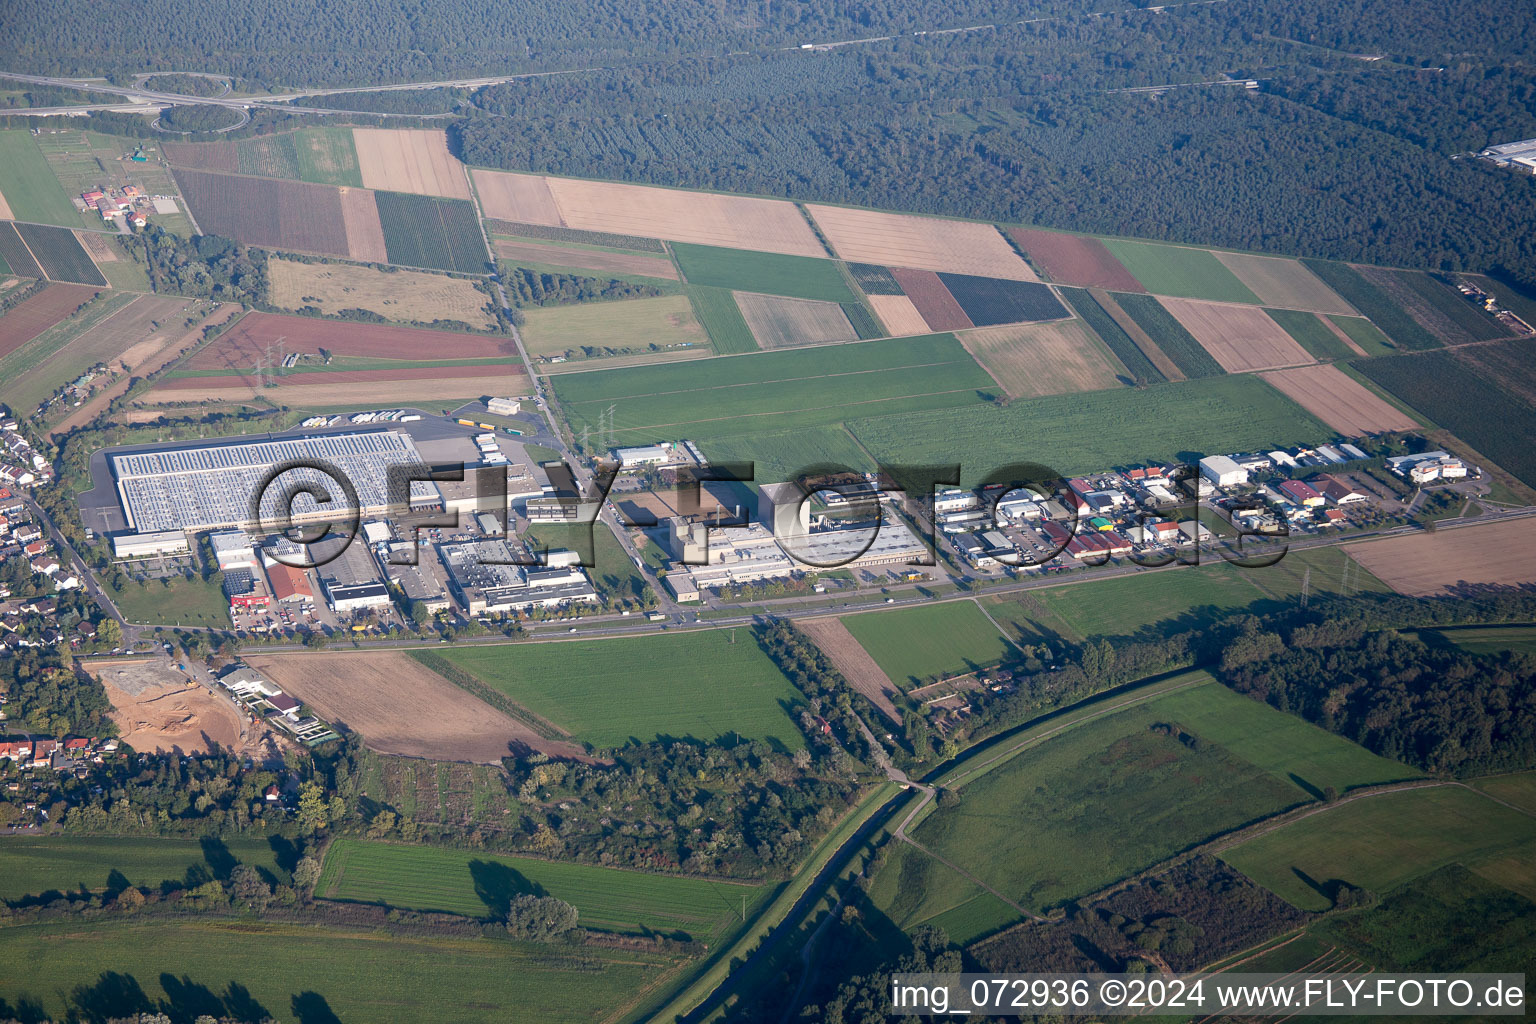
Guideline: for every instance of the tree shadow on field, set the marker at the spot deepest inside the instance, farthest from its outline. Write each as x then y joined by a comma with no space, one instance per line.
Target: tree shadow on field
111,995
220,861
496,885
311,1008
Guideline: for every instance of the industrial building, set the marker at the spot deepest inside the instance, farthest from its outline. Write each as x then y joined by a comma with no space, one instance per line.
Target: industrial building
145,545
503,406
232,550
485,581
784,509
1222,471
210,487
644,456
741,554
1520,156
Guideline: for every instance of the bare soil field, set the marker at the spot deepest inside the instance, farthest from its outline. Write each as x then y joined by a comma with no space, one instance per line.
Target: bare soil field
145,325
1030,360
899,315
1452,560
1241,338
34,315
934,304
143,359
853,661
341,376
246,345
400,706
522,198
5,210
365,232
586,259
1339,400
1284,283
96,245
405,295
204,156
736,222
155,709
1074,260
274,214
404,160
326,392
780,322
1149,348
922,243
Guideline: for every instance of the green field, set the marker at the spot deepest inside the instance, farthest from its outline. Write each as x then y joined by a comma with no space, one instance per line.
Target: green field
35,865
1110,796
60,254
1518,789
326,156
1365,334
424,231
717,310
1376,304
606,692
783,454
1169,335
612,573
326,973
1180,271
916,645
1453,305
479,885
803,277
914,889
1380,842
30,188
1088,432
1492,639
1311,333
184,603
666,322
775,390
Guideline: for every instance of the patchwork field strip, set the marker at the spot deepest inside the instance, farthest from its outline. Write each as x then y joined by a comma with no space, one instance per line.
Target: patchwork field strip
778,321
1339,400
1075,260
249,343
1351,343
937,307
5,209
898,314
16,254
318,390
60,254
1030,360
1180,270
734,222
1425,564
362,227
922,243
1241,338
637,264
406,160
666,321
36,313
1284,283
991,302
1149,348
519,198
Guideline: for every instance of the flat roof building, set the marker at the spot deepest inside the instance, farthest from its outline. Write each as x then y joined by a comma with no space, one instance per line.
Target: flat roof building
485,581
210,487
1222,471
143,545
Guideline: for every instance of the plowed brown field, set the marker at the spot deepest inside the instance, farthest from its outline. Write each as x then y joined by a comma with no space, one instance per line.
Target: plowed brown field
246,346
405,160
1241,338
853,661
1339,400
938,308
899,315
1074,260
521,198
1449,561
35,314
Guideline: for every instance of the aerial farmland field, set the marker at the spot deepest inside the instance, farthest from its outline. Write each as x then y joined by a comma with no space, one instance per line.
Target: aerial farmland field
1436,307
932,300
988,302
717,310
402,160
898,314
1240,338
1084,432
1380,842
771,273
1098,319
1340,401
14,253
60,253
919,645
921,243
40,864
328,974
584,258
1283,282
403,295
422,231
1372,302
1315,334
781,322
807,386
1180,271
1075,260
247,345
38,312
266,212
1030,360
30,190
704,685
1501,553
1171,337
478,884
656,326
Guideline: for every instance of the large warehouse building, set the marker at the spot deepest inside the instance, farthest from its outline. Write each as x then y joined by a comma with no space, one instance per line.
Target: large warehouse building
210,487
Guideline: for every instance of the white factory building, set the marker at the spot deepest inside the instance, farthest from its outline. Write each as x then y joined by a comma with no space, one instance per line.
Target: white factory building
1222,471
